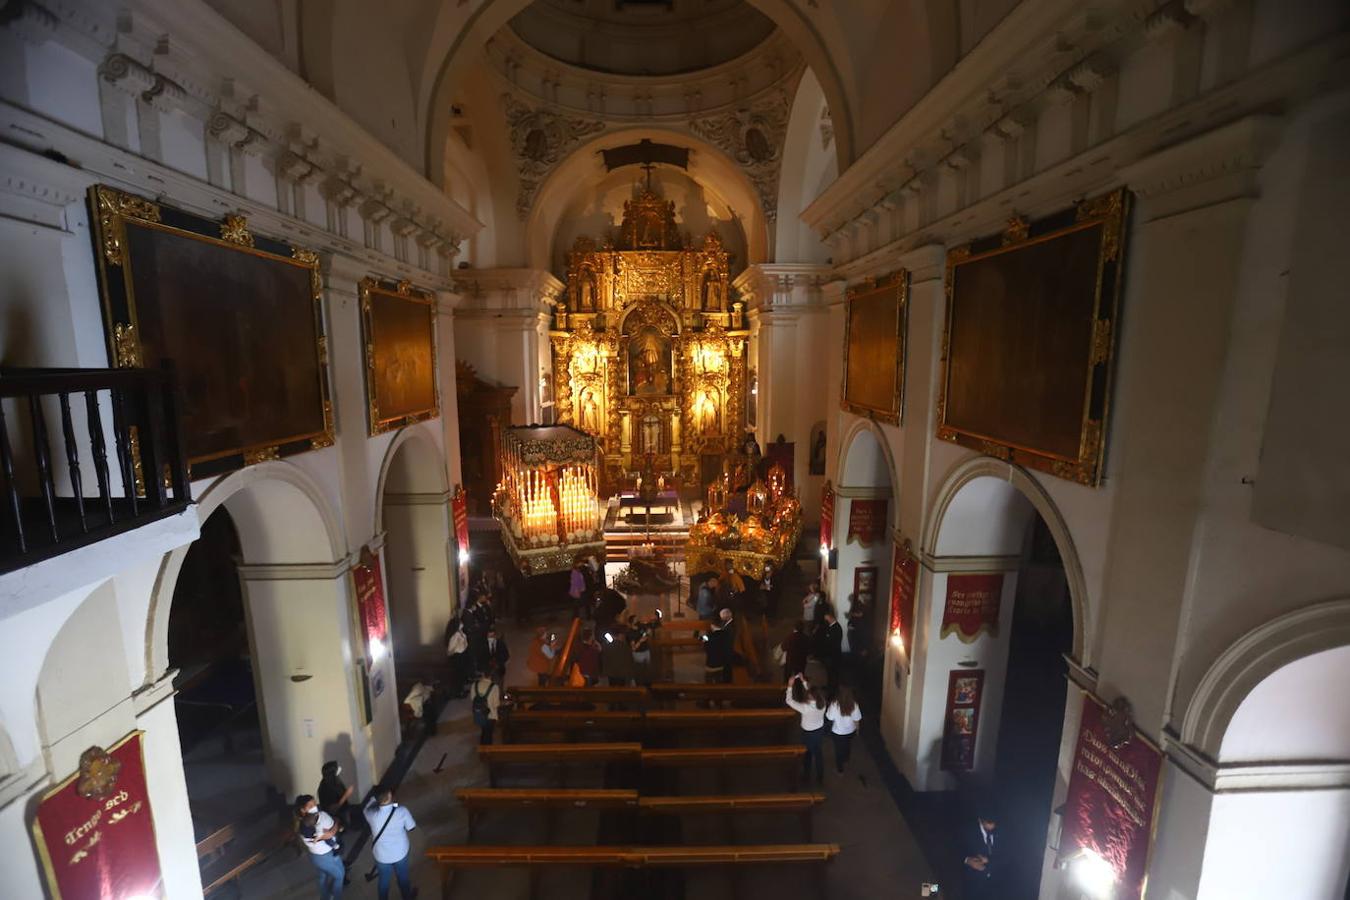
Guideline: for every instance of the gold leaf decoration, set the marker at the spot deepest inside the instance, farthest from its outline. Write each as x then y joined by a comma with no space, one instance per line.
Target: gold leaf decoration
235,230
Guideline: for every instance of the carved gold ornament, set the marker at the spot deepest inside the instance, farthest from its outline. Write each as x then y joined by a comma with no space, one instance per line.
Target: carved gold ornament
235,230
113,207
98,774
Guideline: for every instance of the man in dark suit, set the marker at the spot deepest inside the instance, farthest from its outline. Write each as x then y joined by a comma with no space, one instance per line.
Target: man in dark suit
979,847
491,653
830,648
719,646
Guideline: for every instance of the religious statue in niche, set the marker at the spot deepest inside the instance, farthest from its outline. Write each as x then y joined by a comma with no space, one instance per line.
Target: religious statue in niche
651,433
589,412
707,413
711,291
649,364
586,297
817,461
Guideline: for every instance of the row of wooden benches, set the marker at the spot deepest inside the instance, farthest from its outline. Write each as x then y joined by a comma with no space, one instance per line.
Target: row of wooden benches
661,692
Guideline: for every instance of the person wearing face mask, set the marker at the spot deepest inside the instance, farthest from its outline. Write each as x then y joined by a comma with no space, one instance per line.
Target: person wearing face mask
318,833
334,793
390,824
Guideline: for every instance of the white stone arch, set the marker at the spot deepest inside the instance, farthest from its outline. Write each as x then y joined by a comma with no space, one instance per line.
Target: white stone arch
425,472
708,166
809,164
328,546
987,467
860,426
1252,659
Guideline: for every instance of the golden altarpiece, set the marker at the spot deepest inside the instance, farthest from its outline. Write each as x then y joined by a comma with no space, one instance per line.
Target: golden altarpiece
649,350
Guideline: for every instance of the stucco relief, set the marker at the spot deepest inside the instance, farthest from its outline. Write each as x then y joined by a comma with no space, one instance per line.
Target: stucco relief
540,139
753,136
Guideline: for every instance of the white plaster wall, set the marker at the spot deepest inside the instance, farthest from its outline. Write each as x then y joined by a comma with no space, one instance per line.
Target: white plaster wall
1273,722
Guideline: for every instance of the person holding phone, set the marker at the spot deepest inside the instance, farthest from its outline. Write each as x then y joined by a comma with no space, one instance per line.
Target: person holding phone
543,651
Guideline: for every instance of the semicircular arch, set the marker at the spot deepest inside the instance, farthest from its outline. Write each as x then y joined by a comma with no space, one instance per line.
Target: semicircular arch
282,517
1253,658
412,465
975,467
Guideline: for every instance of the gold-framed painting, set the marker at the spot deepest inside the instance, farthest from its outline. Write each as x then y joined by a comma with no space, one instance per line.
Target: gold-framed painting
398,325
1027,349
874,348
239,316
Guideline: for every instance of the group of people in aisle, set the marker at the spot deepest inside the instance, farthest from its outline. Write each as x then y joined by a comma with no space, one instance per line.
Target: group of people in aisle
322,822
840,712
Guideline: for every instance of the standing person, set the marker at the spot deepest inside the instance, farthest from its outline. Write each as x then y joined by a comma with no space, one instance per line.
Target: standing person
830,647
492,652
543,650
640,639
586,656
334,794
577,587
810,702
390,824
318,832
811,601
978,867
706,604
719,651
844,717
616,658
457,653
487,697
795,646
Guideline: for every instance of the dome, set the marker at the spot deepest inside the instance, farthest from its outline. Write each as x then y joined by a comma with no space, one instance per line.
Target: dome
642,37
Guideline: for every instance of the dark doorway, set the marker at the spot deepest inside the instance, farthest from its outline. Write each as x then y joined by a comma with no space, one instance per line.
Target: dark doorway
219,727
1033,711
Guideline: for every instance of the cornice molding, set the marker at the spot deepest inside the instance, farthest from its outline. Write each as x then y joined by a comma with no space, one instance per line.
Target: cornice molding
782,286
182,55
524,290
1256,776
296,571
969,563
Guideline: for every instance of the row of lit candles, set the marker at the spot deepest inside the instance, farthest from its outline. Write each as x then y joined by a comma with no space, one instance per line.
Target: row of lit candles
539,517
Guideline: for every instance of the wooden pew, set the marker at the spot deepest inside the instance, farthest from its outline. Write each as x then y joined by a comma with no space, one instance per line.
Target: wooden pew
742,694
219,872
635,696
801,803
453,857
691,719
788,756
569,722
479,800
497,755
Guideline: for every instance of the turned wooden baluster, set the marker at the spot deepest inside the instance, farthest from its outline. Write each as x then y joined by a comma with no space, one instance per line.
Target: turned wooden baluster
42,454
72,458
100,448
11,489
122,438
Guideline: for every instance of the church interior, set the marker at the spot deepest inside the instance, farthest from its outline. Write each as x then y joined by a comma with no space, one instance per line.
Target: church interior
700,448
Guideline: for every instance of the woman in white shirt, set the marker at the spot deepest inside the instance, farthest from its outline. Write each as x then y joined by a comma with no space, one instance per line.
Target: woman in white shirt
844,717
810,702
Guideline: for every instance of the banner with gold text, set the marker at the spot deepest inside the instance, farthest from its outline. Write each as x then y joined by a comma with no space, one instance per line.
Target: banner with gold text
866,521
95,832
904,572
1112,799
459,509
972,605
370,596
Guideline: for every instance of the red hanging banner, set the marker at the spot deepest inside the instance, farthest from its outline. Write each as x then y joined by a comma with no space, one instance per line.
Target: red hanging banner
459,510
866,521
370,595
972,606
1113,796
965,687
827,516
95,831
904,574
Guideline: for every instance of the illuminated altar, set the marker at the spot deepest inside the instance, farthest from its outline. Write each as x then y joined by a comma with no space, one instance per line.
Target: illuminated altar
547,499
649,349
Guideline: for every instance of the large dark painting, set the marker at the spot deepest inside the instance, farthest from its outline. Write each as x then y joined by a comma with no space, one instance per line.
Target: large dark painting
238,315
1027,360
874,348
400,338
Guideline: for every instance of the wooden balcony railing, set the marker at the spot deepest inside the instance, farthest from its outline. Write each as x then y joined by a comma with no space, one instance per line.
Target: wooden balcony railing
62,490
